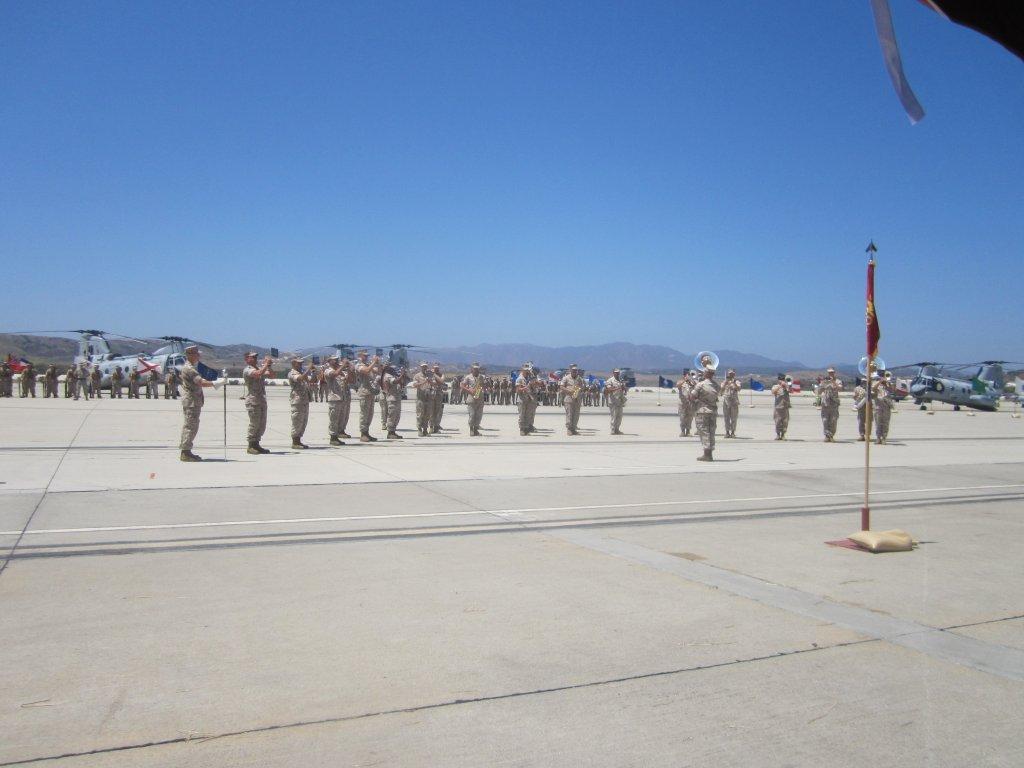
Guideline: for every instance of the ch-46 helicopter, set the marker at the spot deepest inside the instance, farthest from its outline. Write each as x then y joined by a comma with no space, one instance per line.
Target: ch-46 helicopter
94,351
954,383
396,355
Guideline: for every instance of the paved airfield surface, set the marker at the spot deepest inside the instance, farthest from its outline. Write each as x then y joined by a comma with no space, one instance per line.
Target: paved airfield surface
504,600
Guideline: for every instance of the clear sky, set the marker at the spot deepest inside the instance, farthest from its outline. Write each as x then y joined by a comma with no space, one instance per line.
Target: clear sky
695,174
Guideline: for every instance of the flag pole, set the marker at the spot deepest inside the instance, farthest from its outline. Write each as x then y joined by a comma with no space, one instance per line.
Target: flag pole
224,373
865,511
873,336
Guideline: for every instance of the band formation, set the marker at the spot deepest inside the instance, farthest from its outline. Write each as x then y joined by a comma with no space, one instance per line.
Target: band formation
378,384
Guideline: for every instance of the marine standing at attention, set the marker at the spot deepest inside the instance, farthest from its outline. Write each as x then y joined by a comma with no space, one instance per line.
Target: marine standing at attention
191,401
116,381
133,383
299,400
50,382
782,405
6,376
171,383
437,399
95,382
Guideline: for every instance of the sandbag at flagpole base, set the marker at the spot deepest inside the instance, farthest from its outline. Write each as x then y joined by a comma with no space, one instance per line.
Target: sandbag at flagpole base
877,542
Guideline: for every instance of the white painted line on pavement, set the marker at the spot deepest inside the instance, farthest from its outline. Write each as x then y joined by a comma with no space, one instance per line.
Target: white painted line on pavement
525,510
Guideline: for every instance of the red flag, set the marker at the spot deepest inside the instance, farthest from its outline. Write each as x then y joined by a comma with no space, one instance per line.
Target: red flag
16,366
145,367
874,332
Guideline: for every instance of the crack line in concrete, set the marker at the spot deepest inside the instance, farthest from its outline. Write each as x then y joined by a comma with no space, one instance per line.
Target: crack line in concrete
39,502
440,704
992,658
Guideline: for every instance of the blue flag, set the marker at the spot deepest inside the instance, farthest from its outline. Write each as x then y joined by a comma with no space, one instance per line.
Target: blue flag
206,371
665,383
756,386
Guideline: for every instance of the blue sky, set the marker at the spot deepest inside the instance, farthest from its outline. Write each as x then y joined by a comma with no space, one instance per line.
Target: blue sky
691,174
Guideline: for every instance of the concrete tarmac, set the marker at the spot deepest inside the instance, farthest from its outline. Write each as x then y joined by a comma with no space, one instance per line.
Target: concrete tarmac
504,600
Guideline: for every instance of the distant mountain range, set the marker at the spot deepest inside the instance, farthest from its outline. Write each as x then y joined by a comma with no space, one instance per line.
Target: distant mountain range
600,358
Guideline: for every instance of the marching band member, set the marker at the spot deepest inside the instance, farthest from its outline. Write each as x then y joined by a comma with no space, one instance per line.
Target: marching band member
705,399
615,393
882,402
730,402
474,385
423,383
299,400
256,399
571,388
366,375
526,390
685,388
338,398
828,392
782,405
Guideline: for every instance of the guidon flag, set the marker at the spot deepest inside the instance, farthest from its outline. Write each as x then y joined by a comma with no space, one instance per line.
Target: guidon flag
871,317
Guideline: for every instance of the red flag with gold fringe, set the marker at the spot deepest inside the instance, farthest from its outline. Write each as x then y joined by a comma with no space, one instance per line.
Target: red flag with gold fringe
874,332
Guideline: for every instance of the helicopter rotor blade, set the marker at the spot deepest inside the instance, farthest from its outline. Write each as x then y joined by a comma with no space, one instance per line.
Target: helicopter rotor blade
36,333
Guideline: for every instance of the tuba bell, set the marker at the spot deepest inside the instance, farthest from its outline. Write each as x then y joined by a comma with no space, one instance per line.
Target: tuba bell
705,360
878,364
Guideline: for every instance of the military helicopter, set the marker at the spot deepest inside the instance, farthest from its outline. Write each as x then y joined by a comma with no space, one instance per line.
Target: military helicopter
94,351
396,355
953,383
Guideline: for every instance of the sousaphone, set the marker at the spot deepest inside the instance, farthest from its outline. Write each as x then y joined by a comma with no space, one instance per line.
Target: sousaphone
877,365
705,360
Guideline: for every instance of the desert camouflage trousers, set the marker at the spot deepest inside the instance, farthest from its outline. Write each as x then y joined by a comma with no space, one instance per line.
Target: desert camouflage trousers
337,415
300,417
365,410
829,419
730,414
572,412
475,409
527,413
191,425
257,421
707,423
781,421
685,418
394,405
